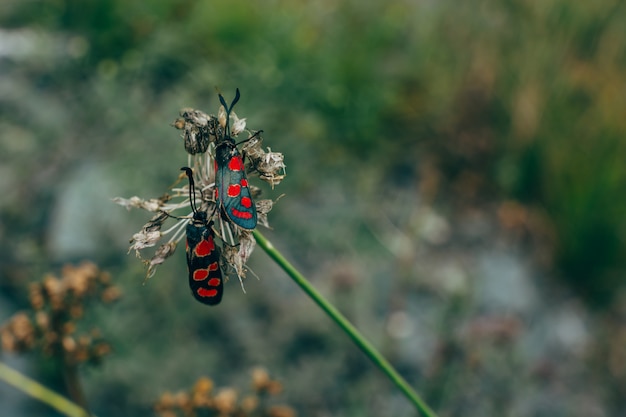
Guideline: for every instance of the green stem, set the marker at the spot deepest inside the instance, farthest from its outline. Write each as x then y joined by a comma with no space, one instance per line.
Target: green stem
38,391
338,318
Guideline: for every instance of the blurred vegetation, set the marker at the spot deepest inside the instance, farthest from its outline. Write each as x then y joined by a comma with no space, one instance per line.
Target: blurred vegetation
381,108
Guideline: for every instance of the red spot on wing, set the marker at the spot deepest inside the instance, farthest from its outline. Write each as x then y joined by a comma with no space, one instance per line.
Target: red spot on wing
241,214
214,282
243,182
236,163
202,292
200,274
234,190
214,266
246,202
205,248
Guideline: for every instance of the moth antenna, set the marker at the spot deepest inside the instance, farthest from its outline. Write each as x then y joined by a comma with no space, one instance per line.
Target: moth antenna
192,189
229,109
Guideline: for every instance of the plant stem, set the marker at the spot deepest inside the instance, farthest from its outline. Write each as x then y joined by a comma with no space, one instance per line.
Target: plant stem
74,388
378,359
38,391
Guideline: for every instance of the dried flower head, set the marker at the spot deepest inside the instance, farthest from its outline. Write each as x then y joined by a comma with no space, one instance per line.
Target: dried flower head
281,411
262,383
202,133
200,400
58,304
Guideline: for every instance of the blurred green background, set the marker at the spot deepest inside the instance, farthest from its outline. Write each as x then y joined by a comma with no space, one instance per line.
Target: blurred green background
455,185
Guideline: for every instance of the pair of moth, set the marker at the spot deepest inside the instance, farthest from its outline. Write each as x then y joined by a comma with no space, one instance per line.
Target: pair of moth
235,204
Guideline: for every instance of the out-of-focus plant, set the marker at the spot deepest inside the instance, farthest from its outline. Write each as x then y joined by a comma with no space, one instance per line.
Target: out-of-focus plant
52,326
202,399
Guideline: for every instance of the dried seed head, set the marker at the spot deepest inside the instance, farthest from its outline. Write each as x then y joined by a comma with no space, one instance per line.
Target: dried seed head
76,311
57,304
104,278
78,356
144,239
199,130
179,123
42,320
201,393
203,385
225,401
238,125
250,403
156,222
281,411
165,402
53,289
68,328
77,281
69,344
263,207
252,147
18,334
274,387
101,349
260,378
181,399
7,341
247,243
272,168
162,253
237,256
84,341
153,204
270,165
262,382
231,255
110,294
255,192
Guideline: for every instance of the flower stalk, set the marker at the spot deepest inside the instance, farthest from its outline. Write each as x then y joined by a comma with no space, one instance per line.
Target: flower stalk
40,392
375,356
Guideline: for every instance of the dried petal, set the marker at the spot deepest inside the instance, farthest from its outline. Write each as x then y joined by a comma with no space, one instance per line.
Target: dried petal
238,125
253,149
144,240
247,243
154,204
162,253
272,168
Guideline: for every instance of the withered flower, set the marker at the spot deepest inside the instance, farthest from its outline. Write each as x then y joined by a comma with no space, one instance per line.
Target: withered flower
201,134
226,401
57,306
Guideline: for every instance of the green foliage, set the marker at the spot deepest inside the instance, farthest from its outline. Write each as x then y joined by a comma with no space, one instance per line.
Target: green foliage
489,100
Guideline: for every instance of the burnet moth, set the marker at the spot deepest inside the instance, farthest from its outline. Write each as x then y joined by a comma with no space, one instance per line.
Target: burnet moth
203,257
231,185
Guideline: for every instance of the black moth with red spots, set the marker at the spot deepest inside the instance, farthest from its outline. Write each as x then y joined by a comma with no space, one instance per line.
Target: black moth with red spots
231,186
203,257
